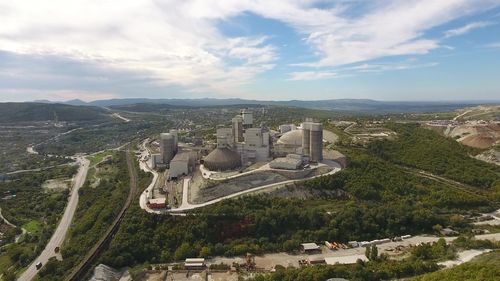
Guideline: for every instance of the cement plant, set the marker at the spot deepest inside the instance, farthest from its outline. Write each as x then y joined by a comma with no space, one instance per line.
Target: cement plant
244,158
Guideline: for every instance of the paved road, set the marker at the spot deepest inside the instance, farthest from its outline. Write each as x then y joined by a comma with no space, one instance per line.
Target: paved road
117,115
58,237
185,193
462,114
149,190
37,169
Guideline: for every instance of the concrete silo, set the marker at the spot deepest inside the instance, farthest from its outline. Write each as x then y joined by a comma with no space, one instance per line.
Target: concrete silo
237,122
175,133
306,138
316,142
167,147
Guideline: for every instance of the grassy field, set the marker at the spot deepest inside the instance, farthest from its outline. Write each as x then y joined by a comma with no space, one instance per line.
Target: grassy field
32,226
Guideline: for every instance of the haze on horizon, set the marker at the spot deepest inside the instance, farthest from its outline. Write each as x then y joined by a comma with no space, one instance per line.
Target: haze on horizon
266,50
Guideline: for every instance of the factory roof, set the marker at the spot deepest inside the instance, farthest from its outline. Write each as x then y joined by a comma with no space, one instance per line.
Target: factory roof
221,159
166,136
293,137
309,246
183,156
157,200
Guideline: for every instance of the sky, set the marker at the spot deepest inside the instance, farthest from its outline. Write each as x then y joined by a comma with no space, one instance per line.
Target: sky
403,50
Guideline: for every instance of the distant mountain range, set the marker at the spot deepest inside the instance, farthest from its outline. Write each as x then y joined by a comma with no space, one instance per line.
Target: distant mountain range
31,111
346,105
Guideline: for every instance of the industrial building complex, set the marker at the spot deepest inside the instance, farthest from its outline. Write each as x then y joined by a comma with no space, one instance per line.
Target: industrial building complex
244,154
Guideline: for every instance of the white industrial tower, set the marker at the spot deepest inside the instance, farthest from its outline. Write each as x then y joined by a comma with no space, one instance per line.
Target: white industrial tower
312,140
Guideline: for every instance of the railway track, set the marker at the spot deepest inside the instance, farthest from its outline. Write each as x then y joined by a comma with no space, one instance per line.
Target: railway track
81,269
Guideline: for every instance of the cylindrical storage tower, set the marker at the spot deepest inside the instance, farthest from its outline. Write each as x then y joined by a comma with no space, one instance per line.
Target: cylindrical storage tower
306,138
175,133
167,147
237,128
316,142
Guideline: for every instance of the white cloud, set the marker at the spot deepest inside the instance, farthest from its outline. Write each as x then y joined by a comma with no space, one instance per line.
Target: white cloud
391,28
311,75
410,64
178,41
466,28
171,41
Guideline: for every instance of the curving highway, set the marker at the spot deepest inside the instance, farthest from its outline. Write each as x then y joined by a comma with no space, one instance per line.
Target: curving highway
58,237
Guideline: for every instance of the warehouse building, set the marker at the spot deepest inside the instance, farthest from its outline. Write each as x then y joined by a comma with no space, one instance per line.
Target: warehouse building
194,263
310,248
157,203
183,163
156,161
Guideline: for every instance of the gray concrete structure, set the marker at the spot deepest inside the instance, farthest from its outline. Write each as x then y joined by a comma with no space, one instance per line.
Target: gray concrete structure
175,133
316,142
237,122
167,147
312,140
247,118
182,164
306,138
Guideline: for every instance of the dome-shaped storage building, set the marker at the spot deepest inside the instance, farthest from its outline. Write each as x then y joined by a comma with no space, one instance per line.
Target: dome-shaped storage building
222,159
291,138
289,142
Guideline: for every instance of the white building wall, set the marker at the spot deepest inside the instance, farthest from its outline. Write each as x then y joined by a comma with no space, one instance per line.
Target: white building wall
256,146
225,137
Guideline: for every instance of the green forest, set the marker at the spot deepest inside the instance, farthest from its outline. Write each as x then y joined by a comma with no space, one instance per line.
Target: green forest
426,150
380,195
380,199
97,208
34,208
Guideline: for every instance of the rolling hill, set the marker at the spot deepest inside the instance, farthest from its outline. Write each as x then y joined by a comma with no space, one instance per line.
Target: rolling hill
25,112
